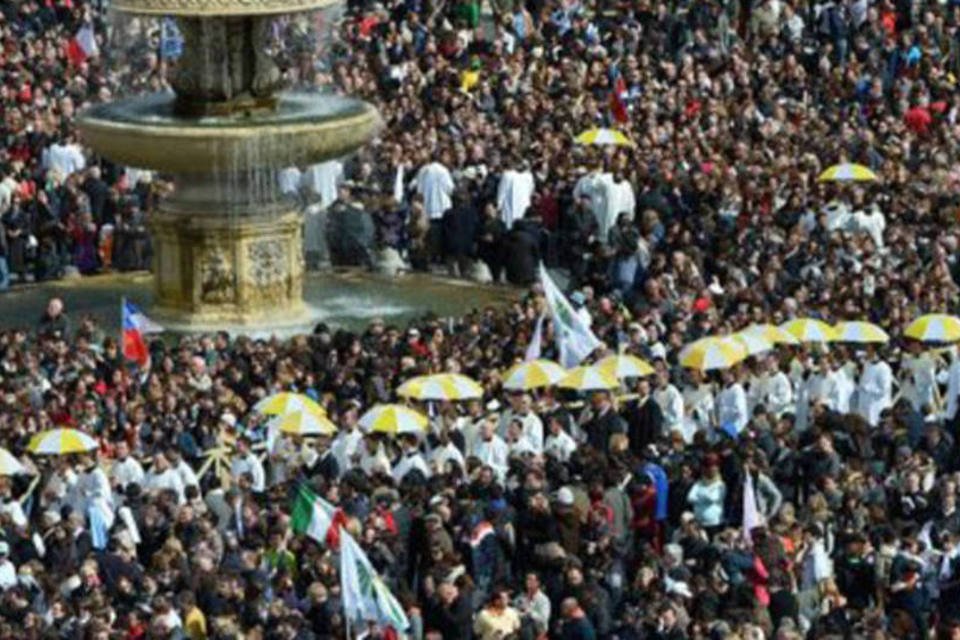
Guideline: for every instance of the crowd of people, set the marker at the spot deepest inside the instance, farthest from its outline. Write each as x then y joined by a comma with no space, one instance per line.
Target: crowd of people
520,515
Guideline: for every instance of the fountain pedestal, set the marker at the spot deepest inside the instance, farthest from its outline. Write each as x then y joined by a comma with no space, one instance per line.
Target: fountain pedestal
214,271
227,247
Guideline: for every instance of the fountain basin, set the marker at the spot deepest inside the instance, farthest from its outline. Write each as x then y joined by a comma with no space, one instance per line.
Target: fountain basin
306,128
201,8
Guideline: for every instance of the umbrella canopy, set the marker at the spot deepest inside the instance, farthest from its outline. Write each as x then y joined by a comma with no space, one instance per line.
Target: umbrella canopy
934,327
61,442
441,386
847,172
625,366
589,379
860,332
286,402
810,330
604,136
533,375
772,333
9,465
394,419
754,343
303,423
712,353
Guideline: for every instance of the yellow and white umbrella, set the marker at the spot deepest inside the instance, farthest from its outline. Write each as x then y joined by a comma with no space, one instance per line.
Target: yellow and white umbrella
533,375
712,353
810,330
772,333
754,343
934,327
589,379
441,386
393,419
286,402
61,442
604,136
860,332
847,172
10,466
303,423
623,366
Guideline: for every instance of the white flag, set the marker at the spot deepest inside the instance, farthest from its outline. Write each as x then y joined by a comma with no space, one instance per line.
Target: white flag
533,349
575,340
751,516
88,41
365,596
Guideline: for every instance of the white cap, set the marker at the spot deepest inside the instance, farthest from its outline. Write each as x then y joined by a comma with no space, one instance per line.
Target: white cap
565,496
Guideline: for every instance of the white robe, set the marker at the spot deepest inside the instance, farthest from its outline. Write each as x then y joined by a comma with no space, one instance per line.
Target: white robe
560,446
127,471
670,401
618,198
168,480
443,454
732,407
344,446
322,181
249,464
699,405
408,463
288,181
376,461
494,452
435,184
532,427
920,383
873,224
595,187
778,396
839,391
64,158
953,388
514,195
875,391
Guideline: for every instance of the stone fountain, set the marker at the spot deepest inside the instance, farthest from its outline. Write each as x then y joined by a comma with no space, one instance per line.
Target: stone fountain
227,247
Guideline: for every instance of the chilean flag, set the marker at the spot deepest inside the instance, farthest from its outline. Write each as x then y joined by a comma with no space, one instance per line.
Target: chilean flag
618,106
135,326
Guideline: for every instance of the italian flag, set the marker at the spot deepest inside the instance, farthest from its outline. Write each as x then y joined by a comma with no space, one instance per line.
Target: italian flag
315,517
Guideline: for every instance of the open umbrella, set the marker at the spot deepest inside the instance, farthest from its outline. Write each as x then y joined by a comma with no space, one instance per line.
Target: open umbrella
712,353
61,442
754,343
9,465
810,330
589,379
860,333
847,172
286,402
604,137
934,327
623,366
393,419
772,333
533,375
303,423
441,386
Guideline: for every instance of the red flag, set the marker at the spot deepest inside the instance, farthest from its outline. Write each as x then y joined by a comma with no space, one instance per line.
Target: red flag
75,53
338,520
618,107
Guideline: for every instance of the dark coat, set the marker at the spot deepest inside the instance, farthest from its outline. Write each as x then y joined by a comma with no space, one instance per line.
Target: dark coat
645,424
522,252
459,230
